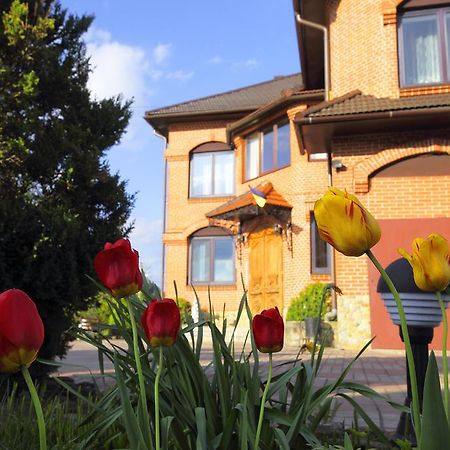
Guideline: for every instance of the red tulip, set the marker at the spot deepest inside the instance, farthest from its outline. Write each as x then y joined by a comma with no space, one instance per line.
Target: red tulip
21,331
117,267
161,322
268,330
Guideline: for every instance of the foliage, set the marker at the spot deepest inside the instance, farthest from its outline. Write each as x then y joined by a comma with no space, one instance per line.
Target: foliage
65,416
216,406
185,308
59,200
307,302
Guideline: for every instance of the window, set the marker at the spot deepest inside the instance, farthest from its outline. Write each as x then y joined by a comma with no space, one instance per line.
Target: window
267,150
320,251
424,47
211,171
211,257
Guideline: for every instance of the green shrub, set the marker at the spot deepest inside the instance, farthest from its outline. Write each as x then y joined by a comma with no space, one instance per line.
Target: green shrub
185,308
307,302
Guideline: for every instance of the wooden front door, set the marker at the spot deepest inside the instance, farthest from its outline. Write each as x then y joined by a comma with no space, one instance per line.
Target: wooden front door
265,270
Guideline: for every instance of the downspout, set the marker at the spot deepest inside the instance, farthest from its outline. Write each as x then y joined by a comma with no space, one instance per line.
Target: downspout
326,68
163,250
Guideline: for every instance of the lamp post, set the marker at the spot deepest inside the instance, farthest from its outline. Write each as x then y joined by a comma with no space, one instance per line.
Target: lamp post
423,314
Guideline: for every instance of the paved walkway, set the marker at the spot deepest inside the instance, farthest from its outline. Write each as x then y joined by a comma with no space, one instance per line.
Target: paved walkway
383,370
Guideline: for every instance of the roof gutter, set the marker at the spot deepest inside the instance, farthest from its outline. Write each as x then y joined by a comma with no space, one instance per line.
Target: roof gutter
326,56
392,114
264,112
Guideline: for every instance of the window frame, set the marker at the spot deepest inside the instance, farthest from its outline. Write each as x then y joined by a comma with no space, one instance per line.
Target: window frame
213,153
443,44
260,137
314,237
211,238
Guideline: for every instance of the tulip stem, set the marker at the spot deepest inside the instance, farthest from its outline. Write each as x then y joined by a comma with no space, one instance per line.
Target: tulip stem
137,358
37,407
263,403
158,376
409,354
444,351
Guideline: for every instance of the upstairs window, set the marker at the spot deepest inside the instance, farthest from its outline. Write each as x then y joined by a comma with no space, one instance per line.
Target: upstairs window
424,47
267,150
211,170
211,257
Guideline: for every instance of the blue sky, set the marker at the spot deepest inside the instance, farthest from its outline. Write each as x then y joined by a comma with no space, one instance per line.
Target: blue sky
161,52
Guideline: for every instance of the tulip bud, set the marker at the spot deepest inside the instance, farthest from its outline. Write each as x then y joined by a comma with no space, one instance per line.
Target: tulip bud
430,261
345,224
21,331
117,267
268,330
161,322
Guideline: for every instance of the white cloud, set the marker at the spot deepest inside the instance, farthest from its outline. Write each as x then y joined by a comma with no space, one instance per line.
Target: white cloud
161,52
146,232
117,69
131,71
248,64
216,60
146,238
181,75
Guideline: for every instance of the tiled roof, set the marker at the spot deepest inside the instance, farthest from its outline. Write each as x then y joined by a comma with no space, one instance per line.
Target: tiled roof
272,198
357,103
244,99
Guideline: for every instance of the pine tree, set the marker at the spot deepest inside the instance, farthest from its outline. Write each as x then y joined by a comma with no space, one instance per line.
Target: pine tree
59,201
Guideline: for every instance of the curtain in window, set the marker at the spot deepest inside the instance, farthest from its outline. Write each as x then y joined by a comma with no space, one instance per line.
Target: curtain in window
422,63
223,260
201,174
267,153
252,157
224,173
200,260
283,146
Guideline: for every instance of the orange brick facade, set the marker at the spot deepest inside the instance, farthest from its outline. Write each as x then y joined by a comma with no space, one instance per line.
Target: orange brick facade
363,49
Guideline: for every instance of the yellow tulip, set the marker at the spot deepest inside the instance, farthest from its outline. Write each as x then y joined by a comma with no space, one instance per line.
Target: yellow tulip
430,261
345,224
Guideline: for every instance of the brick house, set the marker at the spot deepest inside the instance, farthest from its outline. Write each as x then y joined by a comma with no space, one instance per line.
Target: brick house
378,125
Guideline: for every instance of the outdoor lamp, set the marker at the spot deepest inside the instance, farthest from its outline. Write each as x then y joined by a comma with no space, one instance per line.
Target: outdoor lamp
422,313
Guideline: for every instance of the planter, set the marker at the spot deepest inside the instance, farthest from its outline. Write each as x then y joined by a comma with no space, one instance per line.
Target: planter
421,309
294,332
311,326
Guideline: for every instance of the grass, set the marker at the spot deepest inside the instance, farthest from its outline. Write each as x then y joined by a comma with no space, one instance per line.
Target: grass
65,421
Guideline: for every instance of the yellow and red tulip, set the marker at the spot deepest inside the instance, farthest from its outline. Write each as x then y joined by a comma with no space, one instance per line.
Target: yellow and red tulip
345,224
117,267
268,330
21,331
430,260
161,322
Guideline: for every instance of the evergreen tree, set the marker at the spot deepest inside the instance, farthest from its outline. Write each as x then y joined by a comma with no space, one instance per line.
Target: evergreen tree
59,201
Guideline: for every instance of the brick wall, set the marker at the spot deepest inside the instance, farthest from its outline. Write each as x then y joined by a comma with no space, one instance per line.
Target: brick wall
301,184
363,44
386,198
363,49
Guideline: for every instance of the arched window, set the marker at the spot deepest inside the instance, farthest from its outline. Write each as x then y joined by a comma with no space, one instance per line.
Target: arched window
211,170
211,257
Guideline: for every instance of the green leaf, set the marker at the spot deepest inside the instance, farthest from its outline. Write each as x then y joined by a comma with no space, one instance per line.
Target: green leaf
435,430
371,424
348,443
200,419
131,424
280,439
